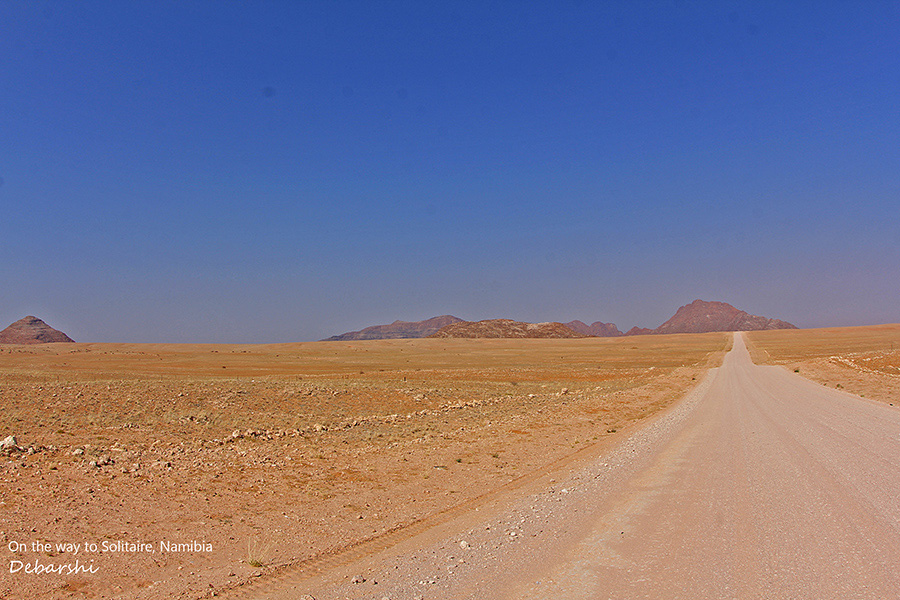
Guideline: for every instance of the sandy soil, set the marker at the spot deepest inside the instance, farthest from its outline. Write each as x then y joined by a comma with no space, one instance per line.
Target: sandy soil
262,460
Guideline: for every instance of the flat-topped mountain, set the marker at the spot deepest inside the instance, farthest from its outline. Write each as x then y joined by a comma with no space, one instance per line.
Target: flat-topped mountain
397,330
505,328
596,328
700,317
31,330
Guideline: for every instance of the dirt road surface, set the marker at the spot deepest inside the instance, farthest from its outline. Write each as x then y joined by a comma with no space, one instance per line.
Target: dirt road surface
759,484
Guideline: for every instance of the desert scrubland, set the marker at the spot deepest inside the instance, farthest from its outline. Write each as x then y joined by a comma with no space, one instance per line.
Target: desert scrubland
198,468
861,360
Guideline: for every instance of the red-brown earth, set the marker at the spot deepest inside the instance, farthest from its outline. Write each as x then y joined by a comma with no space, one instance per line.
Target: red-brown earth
276,457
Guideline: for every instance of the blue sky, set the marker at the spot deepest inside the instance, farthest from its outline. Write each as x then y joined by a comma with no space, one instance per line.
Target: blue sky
286,171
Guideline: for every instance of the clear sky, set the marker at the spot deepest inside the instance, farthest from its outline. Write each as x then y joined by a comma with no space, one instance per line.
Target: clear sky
267,171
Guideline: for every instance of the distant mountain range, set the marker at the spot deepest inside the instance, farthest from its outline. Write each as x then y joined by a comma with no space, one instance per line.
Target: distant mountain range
397,330
31,330
596,328
506,328
699,316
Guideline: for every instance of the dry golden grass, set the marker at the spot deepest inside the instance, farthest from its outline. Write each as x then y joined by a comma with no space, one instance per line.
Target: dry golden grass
208,390
861,360
783,345
349,358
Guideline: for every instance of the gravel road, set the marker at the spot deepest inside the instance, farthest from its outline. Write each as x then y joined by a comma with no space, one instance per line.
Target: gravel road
759,484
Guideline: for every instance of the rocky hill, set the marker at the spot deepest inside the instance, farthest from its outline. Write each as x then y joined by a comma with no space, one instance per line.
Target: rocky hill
505,328
700,317
639,331
398,330
32,330
596,328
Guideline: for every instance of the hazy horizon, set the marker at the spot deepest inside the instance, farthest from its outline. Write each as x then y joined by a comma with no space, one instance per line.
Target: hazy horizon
586,322
288,171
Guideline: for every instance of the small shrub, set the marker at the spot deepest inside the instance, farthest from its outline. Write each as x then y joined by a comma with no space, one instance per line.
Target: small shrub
256,554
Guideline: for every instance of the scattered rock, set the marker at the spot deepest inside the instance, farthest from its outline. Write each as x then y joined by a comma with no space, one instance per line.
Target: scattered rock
358,579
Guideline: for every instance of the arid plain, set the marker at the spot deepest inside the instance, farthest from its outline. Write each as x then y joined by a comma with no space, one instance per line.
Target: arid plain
281,453
283,457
